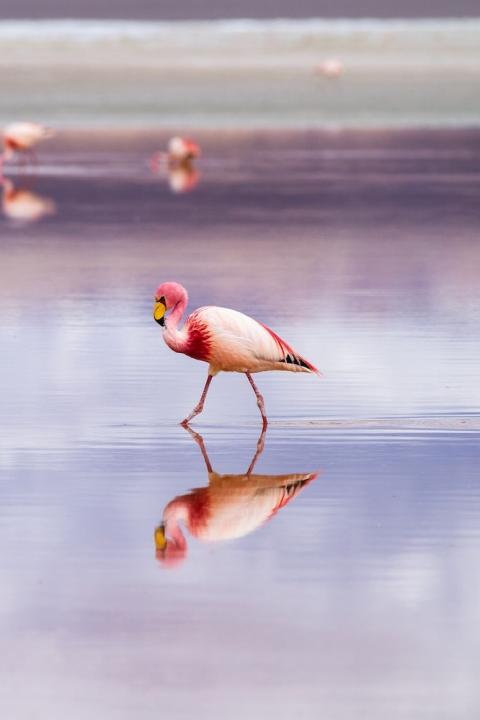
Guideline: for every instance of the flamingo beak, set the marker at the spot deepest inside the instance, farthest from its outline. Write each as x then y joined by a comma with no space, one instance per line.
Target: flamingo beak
160,539
159,310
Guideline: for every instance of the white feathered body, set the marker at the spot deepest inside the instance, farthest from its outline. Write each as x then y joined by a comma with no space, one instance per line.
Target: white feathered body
233,342
25,135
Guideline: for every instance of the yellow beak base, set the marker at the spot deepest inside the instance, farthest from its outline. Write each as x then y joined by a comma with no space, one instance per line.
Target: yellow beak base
159,310
160,539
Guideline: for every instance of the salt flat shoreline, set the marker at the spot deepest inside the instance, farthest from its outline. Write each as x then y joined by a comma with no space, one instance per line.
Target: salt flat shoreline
137,137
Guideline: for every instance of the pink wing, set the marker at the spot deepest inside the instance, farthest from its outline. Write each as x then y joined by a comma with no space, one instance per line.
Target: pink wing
238,342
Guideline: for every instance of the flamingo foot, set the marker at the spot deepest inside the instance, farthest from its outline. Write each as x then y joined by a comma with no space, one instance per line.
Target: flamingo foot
196,411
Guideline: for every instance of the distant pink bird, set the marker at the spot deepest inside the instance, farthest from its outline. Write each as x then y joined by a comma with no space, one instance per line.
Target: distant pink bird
229,507
226,339
330,68
22,137
181,151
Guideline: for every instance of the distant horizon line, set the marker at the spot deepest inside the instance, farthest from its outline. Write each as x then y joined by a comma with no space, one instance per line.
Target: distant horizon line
283,18
230,19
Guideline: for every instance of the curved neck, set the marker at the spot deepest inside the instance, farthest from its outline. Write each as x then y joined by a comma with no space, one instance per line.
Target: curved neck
175,338
177,312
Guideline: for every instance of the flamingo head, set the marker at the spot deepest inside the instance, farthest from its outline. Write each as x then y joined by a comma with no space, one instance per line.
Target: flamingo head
183,149
169,552
167,295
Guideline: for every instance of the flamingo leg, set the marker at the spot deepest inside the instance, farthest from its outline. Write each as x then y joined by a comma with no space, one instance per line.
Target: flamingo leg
260,403
199,406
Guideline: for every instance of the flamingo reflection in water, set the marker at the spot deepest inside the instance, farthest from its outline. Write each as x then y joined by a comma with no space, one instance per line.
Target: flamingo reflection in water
229,507
23,205
183,178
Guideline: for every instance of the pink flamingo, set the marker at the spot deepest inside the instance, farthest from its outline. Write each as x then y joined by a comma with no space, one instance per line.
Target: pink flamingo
230,507
181,151
22,137
331,68
227,339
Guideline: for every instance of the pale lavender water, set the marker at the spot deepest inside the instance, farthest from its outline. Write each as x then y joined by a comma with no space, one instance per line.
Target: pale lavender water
360,597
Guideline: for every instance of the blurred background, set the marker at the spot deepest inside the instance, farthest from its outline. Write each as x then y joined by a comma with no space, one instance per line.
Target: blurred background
211,9
335,198
92,64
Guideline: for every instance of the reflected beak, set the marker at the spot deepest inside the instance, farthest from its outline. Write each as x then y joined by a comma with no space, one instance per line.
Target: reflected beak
159,310
160,539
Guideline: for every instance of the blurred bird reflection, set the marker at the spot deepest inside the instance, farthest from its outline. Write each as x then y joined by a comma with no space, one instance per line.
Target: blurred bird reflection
23,205
183,178
229,507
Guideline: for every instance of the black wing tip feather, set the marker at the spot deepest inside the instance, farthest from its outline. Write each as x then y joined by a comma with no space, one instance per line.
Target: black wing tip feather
291,359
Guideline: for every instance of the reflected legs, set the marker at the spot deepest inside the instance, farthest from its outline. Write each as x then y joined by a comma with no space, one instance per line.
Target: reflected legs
199,440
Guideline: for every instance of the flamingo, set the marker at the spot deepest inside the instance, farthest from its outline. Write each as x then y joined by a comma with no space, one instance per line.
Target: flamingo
22,137
229,507
23,205
181,151
330,68
226,339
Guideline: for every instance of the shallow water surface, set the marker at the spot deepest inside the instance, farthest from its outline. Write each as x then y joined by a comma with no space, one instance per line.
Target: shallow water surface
337,577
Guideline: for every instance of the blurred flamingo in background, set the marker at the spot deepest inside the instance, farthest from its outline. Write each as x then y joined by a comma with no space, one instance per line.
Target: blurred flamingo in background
331,68
227,339
230,507
178,164
22,137
23,205
180,151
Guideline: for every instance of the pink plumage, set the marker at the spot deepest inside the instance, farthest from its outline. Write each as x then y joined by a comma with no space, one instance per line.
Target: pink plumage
226,339
234,342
